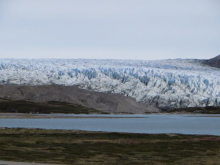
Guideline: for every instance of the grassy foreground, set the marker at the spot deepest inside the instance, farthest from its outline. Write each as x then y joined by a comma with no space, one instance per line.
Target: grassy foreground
89,148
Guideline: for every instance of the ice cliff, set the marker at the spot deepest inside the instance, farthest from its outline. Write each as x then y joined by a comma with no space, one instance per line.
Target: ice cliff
164,83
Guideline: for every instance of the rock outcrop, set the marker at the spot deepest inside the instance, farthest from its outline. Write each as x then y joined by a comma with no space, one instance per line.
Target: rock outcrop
214,62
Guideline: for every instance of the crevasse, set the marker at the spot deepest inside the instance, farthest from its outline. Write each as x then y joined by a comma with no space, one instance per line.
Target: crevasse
164,83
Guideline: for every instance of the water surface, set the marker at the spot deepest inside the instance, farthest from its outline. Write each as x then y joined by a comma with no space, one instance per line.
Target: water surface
182,124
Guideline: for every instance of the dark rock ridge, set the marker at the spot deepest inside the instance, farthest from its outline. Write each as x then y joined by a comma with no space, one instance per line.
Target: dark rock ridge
106,102
214,62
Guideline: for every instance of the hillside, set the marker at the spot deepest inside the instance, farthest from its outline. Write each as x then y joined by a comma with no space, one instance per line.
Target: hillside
214,62
54,99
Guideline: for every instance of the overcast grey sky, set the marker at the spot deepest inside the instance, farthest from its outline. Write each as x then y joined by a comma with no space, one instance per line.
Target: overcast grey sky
115,29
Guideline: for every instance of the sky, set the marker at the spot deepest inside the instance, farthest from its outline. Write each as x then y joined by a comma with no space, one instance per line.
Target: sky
110,29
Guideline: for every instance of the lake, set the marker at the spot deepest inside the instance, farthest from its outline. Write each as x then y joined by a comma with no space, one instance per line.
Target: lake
153,124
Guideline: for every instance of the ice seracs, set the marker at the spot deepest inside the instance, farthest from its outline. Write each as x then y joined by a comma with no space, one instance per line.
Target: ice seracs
164,83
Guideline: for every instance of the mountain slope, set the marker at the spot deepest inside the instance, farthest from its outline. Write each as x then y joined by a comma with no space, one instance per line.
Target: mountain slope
105,102
214,62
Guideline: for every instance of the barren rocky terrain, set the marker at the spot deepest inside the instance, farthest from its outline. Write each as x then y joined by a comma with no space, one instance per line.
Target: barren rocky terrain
105,102
214,62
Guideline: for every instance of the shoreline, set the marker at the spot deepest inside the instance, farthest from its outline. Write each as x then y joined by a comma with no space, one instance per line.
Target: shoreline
73,116
60,115
106,132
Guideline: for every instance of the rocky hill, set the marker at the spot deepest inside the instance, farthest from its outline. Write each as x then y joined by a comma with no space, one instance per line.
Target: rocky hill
214,62
105,102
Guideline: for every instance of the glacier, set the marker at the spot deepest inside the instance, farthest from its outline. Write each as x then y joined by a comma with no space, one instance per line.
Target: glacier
172,83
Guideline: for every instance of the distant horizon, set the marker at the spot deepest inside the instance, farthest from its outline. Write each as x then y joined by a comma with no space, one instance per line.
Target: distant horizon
57,58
